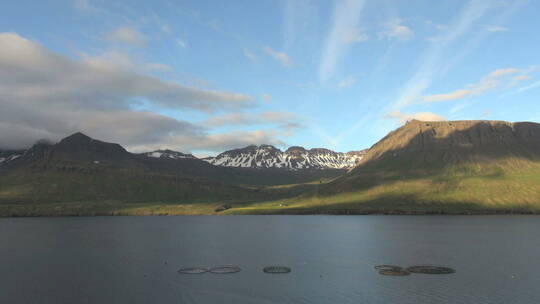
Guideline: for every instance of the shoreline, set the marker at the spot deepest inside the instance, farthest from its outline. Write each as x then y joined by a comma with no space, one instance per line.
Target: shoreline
297,213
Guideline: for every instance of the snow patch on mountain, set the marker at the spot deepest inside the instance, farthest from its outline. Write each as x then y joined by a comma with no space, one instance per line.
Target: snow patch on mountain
294,158
8,158
169,154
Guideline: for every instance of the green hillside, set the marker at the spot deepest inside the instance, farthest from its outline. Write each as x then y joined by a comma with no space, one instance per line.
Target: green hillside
434,167
457,167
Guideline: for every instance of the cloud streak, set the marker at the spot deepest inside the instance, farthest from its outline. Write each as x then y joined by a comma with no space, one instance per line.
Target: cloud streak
431,63
345,21
395,30
347,82
490,82
127,35
280,57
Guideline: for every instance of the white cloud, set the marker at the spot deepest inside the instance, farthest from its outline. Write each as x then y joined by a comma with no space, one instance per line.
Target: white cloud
267,97
44,94
181,43
127,35
502,72
495,29
249,55
347,82
249,119
422,116
124,61
355,35
395,30
85,6
299,21
431,63
493,80
165,28
531,86
280,57
437,26
345,19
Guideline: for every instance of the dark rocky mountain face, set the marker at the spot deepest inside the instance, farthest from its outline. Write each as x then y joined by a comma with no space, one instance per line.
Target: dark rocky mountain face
79,153
294,158
447,142
81,147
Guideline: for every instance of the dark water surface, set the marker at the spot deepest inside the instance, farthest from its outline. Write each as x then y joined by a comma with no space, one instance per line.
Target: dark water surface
122,259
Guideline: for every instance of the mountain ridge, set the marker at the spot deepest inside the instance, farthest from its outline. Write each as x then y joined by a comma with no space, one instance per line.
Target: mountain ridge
293,158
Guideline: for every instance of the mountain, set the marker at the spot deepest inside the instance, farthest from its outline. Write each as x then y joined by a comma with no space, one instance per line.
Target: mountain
440,167
294,158
451,167
82,175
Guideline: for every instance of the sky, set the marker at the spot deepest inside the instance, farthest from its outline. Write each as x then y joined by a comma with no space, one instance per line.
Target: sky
207,76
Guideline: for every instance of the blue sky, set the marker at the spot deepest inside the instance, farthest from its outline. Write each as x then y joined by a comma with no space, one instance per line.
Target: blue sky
205,76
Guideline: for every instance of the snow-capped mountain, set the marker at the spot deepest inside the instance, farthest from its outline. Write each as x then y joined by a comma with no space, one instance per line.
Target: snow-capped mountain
8,156
294,158
167,154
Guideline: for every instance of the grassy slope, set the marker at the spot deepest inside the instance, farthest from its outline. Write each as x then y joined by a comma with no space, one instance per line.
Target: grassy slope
123,192
457,190
462,189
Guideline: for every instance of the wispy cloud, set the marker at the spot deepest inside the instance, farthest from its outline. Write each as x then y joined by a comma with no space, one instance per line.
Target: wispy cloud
493,80
347,82
267,97
495,28
531,86
127,35
431,62
423,116
85,6
299,17
182,43
249,55
165,28
249,119
395,30
345,20
280,57
355,35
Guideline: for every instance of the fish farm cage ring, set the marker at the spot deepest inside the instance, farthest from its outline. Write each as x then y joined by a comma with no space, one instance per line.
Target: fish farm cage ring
429,269
276,269
388,267
192,270
225,269
394,272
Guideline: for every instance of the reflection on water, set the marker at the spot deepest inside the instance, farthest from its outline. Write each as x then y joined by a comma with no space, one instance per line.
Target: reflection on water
135,259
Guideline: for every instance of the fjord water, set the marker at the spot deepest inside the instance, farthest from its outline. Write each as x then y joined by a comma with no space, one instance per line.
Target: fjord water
135,259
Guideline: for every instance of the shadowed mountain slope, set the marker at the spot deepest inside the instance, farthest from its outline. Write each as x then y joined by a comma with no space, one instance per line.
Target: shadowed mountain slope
436,167
79,168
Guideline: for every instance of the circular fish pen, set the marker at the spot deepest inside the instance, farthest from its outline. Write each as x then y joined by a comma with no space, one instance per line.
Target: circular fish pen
388,267
394,272
192,270
276,269
430,269
225,269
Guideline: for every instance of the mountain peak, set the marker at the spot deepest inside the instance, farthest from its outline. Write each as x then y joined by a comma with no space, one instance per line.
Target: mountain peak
83,147
77,137
294,158
418,142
